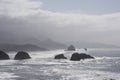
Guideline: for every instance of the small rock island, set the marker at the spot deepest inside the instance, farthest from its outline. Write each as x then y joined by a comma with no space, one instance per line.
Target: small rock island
79,56
71,48
22,55
4,56
60,56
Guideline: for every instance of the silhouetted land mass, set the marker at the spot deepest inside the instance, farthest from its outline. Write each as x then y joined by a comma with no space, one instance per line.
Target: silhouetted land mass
26,47
3,56
51,44
60,56
8,38
79,56
47,42
22,55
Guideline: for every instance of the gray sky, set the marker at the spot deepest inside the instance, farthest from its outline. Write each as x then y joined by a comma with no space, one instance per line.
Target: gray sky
82,6
62,20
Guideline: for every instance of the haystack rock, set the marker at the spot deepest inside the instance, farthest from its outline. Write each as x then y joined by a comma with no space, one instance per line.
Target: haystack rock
78,57
71,48
22,55
60,56
3,56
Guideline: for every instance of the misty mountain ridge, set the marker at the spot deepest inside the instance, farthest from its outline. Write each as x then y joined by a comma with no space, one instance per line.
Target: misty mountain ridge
51,44
25,47
44,42
16,41
55,45
84,44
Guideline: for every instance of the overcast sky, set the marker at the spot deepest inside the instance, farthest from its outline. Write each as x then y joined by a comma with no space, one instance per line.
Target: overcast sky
82,6
63,20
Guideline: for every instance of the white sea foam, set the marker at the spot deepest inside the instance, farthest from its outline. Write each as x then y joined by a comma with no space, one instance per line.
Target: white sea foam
43,66
7,76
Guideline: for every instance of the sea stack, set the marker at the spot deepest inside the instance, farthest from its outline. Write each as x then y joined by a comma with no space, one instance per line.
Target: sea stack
71,48
79,56
22,55
3,56
60,56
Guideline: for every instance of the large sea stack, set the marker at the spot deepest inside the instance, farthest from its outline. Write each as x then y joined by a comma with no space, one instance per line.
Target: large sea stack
3,56
71,48
79,56
22,55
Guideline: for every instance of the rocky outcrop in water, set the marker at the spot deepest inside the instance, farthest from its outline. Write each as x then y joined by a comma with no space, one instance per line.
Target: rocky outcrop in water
71,48
112,79
3,56
22,55
78,57
60,56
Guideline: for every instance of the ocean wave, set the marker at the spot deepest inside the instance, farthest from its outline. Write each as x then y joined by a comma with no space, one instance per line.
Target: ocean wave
7,76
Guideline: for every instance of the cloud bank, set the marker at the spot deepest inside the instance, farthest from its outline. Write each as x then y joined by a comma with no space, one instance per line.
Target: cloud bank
27,18
19,7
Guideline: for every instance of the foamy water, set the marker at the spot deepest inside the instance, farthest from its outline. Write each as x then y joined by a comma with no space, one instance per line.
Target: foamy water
43,66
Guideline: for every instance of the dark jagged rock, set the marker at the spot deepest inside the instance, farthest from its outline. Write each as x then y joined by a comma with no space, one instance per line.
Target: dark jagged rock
75,57
78,57
60,56
22,55
71,48
85,56
112,79
3,56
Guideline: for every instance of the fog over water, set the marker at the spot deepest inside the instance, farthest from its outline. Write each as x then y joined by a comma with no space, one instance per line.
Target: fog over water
30,22
45,28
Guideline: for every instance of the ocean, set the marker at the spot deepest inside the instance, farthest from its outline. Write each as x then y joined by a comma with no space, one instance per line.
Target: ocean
43,66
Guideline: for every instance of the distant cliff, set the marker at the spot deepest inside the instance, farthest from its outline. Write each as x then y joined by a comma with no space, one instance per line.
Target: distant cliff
25,47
